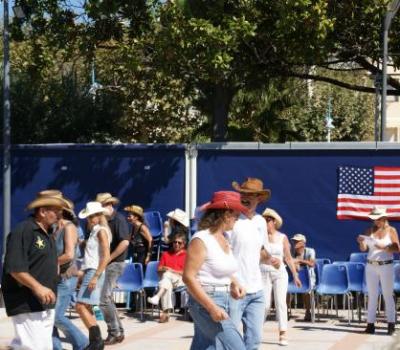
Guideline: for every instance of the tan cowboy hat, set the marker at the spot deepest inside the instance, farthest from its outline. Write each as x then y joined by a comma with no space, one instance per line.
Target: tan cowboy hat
43,199
135,209
377,213
91,209
299,238
180,216
268,212
105,198
253,185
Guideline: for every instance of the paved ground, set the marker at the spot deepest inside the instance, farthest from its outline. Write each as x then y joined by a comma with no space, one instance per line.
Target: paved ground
327,333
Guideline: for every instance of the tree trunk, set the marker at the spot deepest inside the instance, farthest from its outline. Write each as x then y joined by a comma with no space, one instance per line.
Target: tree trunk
222,100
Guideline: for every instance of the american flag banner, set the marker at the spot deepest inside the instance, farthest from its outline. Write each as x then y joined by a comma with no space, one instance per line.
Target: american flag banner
362,188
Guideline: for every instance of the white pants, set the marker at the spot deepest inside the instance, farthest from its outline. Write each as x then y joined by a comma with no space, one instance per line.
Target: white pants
383,274
169,281
33,330
278,281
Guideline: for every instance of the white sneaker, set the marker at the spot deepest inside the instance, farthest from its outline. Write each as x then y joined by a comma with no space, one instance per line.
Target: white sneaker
154,300
283,342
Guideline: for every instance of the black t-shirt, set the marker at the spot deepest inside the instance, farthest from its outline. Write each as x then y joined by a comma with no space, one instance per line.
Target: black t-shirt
29,249
120,231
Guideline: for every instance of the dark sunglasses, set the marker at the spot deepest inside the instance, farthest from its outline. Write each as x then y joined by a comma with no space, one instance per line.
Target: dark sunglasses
269,219
177,242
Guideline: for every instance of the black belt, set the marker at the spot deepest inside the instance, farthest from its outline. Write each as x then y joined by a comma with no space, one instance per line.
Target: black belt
377,262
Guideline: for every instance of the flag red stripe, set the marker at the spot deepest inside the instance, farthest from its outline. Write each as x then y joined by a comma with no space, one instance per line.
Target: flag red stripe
386,168
386,185
387,177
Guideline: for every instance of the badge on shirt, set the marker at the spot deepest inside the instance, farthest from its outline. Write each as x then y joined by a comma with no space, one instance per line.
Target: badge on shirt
40,244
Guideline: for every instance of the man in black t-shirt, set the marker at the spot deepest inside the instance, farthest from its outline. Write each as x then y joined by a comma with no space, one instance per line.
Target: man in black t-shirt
118,252
29,281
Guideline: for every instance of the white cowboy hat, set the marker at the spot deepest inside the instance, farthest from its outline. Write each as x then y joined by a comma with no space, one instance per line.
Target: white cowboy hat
180,216
377,213
299,237
91,209
268,212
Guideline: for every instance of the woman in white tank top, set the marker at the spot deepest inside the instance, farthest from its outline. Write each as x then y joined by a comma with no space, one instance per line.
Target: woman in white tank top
97,256
208,275
381,241
276,280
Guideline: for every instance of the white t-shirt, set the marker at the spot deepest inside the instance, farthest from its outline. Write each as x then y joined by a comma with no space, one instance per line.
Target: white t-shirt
92,249
247,238
218,266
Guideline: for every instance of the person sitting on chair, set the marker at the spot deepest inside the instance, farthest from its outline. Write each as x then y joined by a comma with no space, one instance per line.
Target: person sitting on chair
171,270
178,222
304,256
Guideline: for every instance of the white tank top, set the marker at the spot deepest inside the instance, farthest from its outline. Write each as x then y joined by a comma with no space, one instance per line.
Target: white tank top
218,266
92,249
275,249
379,254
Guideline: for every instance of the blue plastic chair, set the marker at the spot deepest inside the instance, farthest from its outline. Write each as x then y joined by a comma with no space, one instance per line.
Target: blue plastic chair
356,273
306,287
151,277
335,281
131,280
154,222
319,263
358,257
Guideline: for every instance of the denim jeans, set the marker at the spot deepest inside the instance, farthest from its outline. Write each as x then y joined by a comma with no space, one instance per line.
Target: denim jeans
251,312
65,290
114,324
211,335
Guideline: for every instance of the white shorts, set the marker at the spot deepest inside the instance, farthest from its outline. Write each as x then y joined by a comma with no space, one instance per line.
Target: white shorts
33,330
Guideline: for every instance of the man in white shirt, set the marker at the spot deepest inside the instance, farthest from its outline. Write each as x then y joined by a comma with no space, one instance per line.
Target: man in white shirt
247,240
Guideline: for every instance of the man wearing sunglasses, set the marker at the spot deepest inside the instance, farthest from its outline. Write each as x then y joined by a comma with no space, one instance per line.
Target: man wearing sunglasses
170,269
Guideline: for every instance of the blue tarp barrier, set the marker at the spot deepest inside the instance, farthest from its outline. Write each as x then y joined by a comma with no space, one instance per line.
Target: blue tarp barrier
152,176
303,185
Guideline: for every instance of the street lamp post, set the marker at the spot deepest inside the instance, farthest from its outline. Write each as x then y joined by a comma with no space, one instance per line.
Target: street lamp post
392,9
6,129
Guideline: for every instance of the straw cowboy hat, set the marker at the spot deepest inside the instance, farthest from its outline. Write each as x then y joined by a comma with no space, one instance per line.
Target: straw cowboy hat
49,198
135,209
180,216
253,185
268,212
91,209
225,200
106,198
377,213
299,238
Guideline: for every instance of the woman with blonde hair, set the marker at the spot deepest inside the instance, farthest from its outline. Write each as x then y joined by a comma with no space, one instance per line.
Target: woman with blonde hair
278,246
381,241
96,258
208,275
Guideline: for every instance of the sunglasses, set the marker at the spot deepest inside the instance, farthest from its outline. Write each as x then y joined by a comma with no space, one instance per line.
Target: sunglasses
269,219
177,242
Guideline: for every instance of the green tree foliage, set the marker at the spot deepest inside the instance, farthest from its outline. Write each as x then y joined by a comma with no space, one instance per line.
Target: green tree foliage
174,71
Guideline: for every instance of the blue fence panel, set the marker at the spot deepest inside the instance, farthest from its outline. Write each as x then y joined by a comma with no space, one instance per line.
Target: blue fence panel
152,176
303,185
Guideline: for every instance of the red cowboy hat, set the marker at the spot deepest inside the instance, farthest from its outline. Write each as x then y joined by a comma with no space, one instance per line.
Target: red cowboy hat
225,200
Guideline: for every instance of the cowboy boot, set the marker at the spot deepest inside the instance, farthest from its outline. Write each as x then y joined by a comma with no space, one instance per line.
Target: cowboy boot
370,328
391,328
95,340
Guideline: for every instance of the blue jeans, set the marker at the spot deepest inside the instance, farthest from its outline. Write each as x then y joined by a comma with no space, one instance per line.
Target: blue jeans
65,290
251,311
211,335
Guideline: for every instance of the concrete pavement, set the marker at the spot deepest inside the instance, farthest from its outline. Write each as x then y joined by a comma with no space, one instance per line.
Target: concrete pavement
329,333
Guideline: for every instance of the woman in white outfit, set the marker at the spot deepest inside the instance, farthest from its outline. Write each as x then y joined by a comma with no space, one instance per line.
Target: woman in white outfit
277,279
381,241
